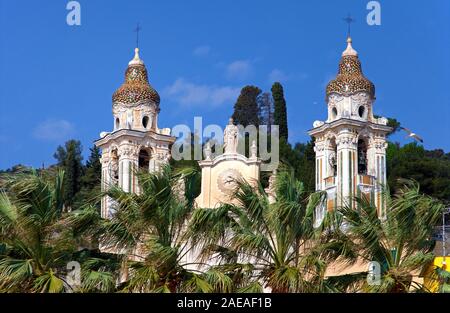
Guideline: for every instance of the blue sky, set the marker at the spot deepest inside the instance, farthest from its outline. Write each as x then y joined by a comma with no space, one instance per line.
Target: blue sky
57,80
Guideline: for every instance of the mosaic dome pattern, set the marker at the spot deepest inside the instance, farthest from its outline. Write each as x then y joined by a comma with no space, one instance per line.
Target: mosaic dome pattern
350,79
136,88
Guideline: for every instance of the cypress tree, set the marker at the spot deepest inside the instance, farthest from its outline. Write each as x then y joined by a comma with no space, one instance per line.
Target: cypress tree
90,181
93,172
280,114
266,110
246,111
69,158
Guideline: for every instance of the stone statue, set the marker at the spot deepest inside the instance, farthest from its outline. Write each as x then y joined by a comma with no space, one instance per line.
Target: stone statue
230,137
254,150
207,151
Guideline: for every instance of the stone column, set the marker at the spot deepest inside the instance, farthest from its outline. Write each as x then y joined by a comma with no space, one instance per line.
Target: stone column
347,151
127,158
105,181
319,149
379,147
204,199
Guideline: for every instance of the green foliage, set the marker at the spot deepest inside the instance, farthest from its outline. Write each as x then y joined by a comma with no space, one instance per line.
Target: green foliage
392,122
443,276
154,222
36,239
256,241
70,160
266,109
246,111
429,168
280,113
90,181
301,159
401,243
92,175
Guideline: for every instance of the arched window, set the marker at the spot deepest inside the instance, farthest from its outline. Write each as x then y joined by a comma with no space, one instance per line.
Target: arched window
145,120
362,111
334,113
117,123
144,160
362,157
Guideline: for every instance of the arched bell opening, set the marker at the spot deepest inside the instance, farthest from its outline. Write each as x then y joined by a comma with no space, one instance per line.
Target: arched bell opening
114,167
362,156
145,121
332,160
144,160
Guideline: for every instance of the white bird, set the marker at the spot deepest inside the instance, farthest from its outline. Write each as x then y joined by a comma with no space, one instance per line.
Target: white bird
411,134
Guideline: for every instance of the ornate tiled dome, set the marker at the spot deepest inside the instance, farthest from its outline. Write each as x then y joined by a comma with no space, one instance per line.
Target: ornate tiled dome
136,88
350,78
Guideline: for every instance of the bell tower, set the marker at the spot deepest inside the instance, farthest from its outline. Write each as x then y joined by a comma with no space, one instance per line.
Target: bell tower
350,145
136,142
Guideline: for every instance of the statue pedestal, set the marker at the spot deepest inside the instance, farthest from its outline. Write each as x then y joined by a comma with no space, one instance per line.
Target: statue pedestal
219,177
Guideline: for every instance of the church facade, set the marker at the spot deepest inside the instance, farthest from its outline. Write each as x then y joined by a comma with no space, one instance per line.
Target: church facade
350,146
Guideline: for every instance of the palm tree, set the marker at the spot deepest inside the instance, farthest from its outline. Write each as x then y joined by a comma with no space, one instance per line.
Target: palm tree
99,270
401,244
39,243
34,249
149,229
443,278
261,244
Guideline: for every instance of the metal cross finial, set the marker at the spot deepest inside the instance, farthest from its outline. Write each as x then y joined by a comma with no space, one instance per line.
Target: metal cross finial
349,20
137,30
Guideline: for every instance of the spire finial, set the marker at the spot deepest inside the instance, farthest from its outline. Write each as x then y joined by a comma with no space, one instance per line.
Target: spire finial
349,51
349,20
137,30
136,59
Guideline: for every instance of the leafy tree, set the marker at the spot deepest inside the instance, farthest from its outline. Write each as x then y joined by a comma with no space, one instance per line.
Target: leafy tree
246,111
431,169
19,168
306,168
280,114
70,160
392,122
301,159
